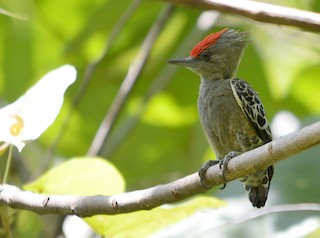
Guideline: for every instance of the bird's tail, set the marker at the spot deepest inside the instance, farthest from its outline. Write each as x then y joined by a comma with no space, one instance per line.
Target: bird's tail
258,184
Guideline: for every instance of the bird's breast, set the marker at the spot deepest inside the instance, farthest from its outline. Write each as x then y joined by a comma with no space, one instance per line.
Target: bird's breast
224,123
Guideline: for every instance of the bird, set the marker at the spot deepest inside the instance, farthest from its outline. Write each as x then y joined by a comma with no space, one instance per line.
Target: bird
230,111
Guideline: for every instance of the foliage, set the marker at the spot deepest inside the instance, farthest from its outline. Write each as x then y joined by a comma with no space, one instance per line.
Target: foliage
144,223
156,137
80,176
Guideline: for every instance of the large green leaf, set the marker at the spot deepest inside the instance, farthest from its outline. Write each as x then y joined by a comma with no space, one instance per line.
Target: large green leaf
80,176
144,223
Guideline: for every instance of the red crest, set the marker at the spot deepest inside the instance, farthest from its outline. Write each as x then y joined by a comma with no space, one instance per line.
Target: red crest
206,42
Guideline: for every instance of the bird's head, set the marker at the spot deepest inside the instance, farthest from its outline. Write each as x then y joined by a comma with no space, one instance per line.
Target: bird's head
217,56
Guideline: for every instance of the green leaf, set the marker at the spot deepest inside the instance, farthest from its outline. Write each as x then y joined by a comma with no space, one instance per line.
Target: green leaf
314,234
80,176
164,110
305,88
144,223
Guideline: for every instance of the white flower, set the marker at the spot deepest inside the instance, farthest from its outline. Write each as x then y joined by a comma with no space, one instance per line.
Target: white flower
29,116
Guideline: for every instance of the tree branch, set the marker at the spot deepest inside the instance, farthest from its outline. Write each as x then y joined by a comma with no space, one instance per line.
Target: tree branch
262,12
147,199
84,83
129,82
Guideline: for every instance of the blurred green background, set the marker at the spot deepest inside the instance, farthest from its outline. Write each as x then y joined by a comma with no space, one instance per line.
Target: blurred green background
156,137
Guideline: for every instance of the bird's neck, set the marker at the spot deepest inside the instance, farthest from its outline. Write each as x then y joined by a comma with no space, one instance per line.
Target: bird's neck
219,71
217,76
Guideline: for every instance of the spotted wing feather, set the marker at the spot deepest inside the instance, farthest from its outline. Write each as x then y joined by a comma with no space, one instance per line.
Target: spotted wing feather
252,107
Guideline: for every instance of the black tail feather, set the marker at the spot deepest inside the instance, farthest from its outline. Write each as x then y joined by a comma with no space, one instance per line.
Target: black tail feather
258,184
258,196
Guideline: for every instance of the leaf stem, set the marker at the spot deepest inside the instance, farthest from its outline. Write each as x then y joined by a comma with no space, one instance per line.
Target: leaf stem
6,172
5,222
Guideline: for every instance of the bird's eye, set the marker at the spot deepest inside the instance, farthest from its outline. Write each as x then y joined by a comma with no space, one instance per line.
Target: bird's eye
205,55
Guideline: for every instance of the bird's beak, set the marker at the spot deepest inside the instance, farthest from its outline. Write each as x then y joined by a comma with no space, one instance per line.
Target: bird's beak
187,62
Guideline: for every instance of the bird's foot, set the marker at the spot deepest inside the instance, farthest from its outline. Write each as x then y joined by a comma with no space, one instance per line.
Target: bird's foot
202,172
224,163
223,168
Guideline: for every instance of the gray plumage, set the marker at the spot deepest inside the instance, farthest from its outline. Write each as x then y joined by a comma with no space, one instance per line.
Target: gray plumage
231,113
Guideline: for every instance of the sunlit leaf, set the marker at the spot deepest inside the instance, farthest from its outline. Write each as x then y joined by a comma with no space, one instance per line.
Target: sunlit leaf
144,223
80,176
164,110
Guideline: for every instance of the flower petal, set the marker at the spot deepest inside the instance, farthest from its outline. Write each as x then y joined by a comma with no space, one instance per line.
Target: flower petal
37,108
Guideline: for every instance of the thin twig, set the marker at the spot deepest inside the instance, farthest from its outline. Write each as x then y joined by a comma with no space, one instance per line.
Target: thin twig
8,165
5,222
128,83
147,199
254,214
158,84
13,15
285,208
262,12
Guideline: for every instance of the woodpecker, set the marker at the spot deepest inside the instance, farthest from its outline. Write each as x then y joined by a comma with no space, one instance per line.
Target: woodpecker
231,113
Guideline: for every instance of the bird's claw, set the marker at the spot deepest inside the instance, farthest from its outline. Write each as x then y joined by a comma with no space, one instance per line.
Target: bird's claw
202,172
223,164
223,168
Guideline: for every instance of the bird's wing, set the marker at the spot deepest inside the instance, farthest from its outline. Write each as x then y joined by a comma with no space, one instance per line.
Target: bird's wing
252,107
